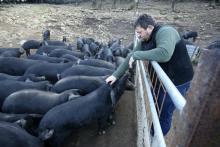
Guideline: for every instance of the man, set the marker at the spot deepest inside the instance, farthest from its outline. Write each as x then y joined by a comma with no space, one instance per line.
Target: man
164,45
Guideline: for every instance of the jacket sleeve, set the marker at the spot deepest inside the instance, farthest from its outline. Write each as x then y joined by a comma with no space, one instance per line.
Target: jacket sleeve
165,45
124,66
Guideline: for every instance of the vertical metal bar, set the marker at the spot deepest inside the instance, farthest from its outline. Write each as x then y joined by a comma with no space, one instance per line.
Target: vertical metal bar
178,100
143,139
158,135
161,106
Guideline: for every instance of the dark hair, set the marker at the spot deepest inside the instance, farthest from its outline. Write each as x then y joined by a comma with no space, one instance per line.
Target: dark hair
144,20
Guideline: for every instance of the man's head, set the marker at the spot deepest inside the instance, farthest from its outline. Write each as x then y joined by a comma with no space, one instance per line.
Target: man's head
144,26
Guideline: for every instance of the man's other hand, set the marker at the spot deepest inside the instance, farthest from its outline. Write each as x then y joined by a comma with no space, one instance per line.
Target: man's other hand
111,80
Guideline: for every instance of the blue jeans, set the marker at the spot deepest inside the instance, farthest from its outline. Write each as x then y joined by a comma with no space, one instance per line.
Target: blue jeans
168,107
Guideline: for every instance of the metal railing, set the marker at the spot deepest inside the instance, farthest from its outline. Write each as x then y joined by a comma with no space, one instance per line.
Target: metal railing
149,112
150,81
193,51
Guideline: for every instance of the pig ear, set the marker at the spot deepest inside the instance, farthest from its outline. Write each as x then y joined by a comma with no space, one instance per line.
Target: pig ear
28,80
73,96
22,42
58,76
21,50
49,87
46,134
113,98
21,122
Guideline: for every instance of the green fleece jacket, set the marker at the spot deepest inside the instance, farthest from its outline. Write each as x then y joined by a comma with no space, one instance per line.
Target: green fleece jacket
166,39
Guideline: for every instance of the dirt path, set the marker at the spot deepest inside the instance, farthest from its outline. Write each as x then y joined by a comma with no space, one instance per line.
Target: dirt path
123,134
27,21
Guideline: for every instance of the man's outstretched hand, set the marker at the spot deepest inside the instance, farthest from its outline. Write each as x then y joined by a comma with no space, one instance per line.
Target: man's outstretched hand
111,80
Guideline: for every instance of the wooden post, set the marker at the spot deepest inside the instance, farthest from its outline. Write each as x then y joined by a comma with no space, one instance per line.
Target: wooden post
206,129
94,3
114,4
136,6
173,6
199,123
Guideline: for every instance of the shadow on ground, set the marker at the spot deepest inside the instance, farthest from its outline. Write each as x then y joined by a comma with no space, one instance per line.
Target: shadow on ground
123,134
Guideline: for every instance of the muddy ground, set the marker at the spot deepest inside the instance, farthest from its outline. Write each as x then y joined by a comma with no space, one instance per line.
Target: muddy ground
27,21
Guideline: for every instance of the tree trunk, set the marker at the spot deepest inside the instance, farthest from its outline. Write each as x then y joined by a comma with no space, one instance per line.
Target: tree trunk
212,3
136,5
114,4
100,5
173,6
206,129
94,3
